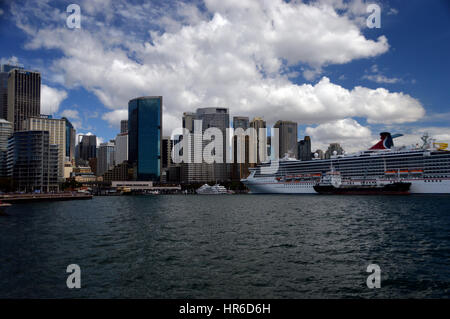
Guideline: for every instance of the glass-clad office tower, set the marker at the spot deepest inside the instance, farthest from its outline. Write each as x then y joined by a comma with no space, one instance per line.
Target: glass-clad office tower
144,136
70,141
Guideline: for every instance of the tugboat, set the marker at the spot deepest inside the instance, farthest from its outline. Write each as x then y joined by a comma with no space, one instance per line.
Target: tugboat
332,184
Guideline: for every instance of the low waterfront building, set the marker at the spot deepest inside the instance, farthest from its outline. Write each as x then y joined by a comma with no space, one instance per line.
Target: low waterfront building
120,172
133,185
93,165
87,178
68,169
83,174
82,170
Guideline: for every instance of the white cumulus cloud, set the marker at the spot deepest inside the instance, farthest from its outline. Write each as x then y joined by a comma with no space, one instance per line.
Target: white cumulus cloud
114,117
237,54
71,114
51,98
348,132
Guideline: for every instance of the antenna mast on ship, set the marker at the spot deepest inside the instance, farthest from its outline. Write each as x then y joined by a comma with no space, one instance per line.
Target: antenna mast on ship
425,139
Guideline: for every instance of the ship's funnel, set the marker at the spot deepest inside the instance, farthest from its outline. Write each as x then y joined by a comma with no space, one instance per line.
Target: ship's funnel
386,142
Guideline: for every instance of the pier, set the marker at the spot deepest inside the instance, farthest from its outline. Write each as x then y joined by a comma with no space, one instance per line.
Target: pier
25,198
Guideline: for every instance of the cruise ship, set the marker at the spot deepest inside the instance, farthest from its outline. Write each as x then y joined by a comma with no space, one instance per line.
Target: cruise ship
427,168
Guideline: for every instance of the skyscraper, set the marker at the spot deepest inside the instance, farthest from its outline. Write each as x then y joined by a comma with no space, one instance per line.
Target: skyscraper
124,126
188,121
192,172
304,149
144,136
240,163
3,95
24,96
240,121
166,158
258,123
57,135
334,148
70,141
33,161
4,74
121,148
105,158
87,149
166,150
6,131
217,118
287,138
318,154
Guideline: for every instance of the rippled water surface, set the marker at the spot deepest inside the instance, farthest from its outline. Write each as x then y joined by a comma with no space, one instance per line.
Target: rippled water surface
240,246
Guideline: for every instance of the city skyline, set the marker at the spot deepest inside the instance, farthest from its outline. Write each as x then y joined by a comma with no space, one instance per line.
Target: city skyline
400,90
224,155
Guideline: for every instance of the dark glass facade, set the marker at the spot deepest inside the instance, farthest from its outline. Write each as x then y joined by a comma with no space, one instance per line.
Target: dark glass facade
124,126
70,140
4,95
144,136
304,149
86,149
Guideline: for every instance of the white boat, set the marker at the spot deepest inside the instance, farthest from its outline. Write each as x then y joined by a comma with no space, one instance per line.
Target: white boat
427,168
212,190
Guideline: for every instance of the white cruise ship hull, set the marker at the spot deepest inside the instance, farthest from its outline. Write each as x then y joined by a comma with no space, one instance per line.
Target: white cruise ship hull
272,186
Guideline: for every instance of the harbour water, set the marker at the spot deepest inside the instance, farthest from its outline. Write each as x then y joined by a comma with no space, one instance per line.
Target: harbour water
230,246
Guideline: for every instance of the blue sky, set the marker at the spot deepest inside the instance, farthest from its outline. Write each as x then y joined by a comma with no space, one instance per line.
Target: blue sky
314,62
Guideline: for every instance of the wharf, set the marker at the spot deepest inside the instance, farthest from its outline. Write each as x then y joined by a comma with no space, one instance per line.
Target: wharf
25,198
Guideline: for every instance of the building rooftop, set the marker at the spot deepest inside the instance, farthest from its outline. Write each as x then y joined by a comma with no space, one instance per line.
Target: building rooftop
146,97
